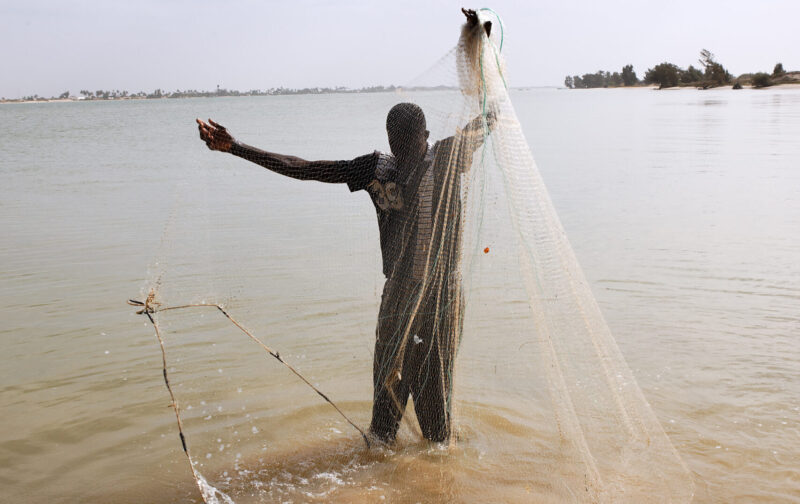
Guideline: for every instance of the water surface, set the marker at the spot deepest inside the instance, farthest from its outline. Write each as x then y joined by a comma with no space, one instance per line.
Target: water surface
683,208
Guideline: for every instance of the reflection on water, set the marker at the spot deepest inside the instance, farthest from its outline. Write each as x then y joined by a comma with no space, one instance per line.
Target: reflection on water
683,215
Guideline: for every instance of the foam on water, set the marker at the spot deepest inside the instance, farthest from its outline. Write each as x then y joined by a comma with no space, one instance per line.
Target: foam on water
211,494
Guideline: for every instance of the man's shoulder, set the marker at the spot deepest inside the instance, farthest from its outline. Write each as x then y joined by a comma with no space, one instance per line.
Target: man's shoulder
361,170
385,166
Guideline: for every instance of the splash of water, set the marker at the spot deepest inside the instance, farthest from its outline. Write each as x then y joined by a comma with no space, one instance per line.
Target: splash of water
211,494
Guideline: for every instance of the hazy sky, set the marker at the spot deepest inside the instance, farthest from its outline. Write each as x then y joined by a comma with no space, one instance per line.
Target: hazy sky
51,47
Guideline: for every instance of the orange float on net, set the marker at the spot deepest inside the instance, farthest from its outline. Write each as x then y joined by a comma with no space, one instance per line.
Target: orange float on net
486,250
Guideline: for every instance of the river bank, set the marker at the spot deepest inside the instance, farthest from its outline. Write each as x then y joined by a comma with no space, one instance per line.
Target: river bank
788,85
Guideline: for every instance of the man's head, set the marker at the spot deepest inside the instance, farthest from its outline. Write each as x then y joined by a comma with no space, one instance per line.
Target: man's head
408,136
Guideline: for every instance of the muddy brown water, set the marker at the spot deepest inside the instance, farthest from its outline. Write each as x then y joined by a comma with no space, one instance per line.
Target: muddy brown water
683,208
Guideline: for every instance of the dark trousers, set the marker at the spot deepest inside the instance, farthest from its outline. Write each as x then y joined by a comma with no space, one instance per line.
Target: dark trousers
414,355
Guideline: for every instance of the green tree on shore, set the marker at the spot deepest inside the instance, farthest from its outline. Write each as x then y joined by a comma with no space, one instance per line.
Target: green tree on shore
599,79
664,74
691,75
761,80
715,73
629,76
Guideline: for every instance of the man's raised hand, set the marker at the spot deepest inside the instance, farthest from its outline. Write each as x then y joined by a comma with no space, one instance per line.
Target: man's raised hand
472,20
215,136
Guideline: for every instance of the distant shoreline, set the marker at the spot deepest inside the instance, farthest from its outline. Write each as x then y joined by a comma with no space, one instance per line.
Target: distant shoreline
790,85
117,95
665,75
653,87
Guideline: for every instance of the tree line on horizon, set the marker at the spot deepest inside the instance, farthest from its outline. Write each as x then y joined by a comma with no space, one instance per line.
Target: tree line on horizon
710,74
102,94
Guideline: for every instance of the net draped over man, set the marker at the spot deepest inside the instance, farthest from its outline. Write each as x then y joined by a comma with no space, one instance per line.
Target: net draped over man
416,191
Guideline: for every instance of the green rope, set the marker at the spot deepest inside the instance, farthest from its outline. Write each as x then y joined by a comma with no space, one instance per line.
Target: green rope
499,21
499,70
483,87
496,52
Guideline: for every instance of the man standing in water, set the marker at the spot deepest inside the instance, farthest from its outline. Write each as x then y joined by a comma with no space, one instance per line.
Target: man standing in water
416,191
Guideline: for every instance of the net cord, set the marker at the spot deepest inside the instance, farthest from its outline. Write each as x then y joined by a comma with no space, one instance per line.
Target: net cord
150,308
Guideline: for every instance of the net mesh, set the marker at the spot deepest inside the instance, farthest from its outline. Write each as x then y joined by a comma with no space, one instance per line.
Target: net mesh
484,321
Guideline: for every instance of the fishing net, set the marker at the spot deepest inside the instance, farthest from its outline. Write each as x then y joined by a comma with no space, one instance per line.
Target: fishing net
455,353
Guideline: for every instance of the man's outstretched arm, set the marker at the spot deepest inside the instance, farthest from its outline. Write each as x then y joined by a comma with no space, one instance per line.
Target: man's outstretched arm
476,124
457,150
353,172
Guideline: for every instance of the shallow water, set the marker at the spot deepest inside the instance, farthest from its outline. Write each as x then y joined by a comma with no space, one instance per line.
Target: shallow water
683,208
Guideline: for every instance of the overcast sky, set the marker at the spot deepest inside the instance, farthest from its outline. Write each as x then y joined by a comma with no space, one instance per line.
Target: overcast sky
50,47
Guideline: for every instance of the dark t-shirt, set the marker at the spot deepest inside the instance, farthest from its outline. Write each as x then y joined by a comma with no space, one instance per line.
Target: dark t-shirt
405,197
394,192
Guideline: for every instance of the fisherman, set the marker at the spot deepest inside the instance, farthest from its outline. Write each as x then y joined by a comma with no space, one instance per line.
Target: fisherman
416,191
